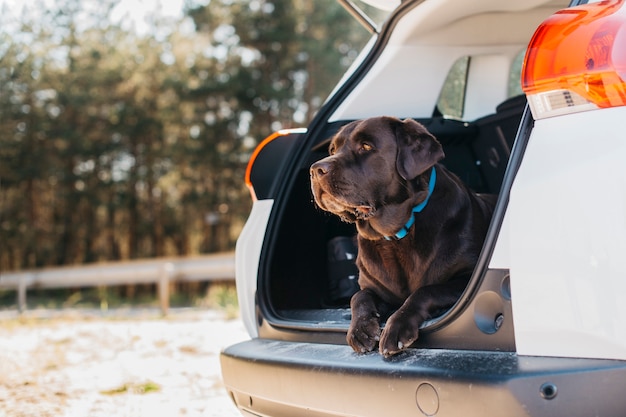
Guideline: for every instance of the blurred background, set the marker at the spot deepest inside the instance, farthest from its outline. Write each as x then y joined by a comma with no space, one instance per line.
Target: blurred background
125,127
125,130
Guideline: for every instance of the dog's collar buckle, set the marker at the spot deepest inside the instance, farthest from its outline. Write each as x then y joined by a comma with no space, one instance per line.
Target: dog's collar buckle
405,229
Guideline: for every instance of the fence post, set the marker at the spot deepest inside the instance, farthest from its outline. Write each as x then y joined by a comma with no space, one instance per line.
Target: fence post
165,274
24,280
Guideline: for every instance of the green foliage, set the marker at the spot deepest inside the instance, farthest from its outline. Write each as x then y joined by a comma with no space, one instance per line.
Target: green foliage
221,297
211,295
103,298
134,388
117,145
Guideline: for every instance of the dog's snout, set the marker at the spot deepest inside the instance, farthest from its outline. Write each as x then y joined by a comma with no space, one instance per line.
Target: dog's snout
320,168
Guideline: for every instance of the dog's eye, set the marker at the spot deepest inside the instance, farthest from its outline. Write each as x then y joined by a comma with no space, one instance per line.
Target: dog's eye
366,147
331,150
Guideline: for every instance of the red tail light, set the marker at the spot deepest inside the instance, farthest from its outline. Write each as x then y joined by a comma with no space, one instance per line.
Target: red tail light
576,60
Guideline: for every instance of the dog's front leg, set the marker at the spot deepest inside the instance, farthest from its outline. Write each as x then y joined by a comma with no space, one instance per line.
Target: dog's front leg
364,331
402,328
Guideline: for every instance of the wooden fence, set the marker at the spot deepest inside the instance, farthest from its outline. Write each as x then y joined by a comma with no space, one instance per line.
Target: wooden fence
214,267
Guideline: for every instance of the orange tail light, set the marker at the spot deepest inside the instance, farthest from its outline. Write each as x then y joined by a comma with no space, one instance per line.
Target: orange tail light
576,60
263,146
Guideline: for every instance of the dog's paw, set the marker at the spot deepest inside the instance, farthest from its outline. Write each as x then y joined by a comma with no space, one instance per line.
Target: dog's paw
400,332
364,334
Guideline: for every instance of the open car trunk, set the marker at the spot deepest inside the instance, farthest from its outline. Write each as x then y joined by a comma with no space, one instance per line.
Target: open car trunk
436,63
309,271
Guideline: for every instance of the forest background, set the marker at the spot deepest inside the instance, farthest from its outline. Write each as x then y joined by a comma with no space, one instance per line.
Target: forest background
120,144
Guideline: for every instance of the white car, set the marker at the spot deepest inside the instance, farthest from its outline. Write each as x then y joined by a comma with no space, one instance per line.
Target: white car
528,99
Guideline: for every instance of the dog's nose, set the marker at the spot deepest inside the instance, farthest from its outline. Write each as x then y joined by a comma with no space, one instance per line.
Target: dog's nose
320,168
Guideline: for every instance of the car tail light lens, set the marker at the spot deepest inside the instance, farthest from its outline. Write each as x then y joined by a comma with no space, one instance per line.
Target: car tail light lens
270,156
576,60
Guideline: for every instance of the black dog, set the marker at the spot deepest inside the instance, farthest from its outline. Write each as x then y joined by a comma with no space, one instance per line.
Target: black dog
420,229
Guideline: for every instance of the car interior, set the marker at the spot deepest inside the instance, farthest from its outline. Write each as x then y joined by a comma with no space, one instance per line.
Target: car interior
311,267
313,272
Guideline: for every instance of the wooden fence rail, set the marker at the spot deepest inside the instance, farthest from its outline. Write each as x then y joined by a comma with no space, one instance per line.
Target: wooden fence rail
163,271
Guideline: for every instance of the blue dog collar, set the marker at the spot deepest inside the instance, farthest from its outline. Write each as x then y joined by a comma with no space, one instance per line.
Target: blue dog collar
405,229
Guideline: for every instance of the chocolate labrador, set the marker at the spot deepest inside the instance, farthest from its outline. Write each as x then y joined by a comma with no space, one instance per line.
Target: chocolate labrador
420,229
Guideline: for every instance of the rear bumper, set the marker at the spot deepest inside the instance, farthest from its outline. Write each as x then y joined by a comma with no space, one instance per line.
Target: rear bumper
277,378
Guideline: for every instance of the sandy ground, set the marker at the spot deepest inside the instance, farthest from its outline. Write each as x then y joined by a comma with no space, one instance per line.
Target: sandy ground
118,364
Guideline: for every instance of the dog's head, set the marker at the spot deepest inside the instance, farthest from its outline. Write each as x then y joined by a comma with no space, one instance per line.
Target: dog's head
374,172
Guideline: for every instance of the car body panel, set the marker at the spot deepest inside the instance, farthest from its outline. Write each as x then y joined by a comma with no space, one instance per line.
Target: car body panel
247,256
568,238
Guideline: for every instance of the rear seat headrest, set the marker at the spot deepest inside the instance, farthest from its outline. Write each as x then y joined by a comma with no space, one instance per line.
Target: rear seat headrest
511,103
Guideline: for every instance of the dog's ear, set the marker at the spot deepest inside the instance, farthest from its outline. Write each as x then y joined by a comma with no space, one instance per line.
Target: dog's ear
418,150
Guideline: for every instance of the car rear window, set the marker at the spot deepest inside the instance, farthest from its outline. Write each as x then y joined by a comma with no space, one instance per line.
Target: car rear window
452,96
